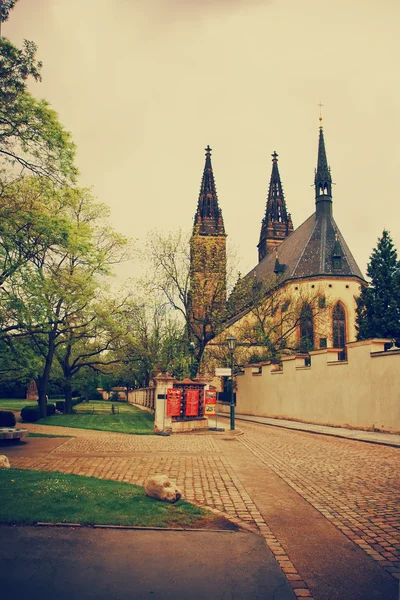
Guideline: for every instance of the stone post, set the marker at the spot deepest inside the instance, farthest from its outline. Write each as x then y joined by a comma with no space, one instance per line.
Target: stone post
161,421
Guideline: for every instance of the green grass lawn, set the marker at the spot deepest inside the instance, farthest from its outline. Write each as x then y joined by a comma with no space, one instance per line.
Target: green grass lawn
38,496
15,404
103,406
129,420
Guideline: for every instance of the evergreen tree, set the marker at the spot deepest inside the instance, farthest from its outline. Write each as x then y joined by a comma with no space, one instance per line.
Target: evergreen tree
378,307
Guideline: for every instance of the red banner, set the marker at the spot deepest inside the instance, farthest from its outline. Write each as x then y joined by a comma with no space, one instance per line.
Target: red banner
192,403
174,402
210,402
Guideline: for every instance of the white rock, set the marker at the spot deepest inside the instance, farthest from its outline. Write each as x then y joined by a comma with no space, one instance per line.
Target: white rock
162,488
4,462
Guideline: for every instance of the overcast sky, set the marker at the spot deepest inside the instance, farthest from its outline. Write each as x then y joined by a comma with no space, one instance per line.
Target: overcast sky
145,85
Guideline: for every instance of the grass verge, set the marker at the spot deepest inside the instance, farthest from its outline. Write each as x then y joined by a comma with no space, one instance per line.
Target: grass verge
131,420
38,496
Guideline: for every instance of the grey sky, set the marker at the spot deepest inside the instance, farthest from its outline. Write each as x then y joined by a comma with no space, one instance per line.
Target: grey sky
145,85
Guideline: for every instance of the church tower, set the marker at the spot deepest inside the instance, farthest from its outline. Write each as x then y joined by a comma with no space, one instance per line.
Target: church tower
277,223
207,259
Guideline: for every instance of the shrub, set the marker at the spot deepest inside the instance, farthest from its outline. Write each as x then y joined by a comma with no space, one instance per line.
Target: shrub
7,418
50,410
60,405
30,414
96,395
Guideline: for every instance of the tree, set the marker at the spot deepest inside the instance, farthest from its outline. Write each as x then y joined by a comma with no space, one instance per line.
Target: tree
6,7
271,313
90,341
51,300
31,223
378,306
31,136
169,257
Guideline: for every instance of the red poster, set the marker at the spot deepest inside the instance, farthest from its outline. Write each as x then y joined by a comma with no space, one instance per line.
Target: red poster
173,402
192,403
210,402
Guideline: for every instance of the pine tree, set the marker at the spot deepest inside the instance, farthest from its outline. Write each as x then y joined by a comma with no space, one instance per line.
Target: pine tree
378,307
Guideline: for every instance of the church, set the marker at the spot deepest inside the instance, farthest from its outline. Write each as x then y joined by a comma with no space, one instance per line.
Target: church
300,297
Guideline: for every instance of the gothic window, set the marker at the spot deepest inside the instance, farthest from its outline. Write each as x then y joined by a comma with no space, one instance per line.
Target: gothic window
306,329
339,326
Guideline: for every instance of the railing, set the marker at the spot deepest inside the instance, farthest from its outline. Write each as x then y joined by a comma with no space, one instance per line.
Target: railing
143,397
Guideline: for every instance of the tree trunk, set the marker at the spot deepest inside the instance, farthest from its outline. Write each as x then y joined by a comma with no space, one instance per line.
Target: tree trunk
68,394
45,377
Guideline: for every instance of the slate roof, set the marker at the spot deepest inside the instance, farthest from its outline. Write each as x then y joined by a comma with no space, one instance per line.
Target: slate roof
308,251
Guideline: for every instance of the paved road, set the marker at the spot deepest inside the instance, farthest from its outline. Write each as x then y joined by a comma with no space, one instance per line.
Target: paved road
328,508
65,563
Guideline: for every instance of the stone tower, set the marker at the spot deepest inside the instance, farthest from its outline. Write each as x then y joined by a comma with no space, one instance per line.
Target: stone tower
207,259
277,223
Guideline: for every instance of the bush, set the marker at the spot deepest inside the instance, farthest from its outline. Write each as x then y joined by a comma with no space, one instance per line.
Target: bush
96,395
60,405
7,418
30,414
50,410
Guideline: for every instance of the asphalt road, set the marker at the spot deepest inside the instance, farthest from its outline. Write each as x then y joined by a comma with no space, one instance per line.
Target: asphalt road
74,563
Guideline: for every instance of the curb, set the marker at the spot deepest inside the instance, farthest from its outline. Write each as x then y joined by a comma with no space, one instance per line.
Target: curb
133,527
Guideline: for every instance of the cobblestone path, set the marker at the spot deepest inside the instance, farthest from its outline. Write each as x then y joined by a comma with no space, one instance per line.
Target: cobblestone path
355,485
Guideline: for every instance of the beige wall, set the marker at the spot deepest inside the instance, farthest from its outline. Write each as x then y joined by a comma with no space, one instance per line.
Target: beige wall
363,392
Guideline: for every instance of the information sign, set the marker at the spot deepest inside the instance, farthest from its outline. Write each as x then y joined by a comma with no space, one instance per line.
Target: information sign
210,402
174,402
192,403
223,372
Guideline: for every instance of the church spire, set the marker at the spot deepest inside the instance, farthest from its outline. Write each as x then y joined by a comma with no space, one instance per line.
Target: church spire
208,218
323,179
277,223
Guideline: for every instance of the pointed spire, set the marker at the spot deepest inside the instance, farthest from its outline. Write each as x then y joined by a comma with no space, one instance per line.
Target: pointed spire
277,223
208,218
323,178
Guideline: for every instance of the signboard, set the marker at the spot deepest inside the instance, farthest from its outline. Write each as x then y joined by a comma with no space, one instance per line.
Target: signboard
210,402
174,402
192,403
223,372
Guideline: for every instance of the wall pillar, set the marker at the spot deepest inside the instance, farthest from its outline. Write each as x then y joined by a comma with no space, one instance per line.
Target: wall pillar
161,422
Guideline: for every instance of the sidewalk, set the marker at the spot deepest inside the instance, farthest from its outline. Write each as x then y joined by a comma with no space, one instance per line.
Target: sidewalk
374,437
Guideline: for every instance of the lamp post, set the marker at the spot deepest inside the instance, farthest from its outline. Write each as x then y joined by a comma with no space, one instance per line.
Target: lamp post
231,341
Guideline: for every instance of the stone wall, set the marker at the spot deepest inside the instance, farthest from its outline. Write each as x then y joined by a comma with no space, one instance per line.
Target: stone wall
362,392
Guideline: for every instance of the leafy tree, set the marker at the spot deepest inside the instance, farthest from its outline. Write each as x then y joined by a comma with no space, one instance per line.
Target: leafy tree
51,301
5,8
31,223
31,136
378,306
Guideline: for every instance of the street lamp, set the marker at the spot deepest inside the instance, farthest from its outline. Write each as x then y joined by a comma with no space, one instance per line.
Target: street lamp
231,341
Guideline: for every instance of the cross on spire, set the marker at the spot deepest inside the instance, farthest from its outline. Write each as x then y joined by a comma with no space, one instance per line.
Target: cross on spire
320,112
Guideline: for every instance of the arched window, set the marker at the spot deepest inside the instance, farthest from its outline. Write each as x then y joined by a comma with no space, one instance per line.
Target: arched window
306,329
339,326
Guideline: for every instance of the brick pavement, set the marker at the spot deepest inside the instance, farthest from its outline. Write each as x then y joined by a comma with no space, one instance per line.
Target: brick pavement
352,484
355,485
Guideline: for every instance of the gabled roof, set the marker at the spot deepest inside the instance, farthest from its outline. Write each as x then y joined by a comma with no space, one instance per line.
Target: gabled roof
308,252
